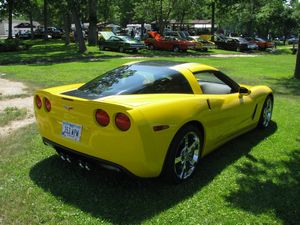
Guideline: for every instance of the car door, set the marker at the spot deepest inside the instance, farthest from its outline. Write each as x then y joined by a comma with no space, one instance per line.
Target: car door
113,42
231,112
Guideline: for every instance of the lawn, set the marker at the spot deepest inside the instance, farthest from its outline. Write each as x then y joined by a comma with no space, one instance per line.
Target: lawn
254,179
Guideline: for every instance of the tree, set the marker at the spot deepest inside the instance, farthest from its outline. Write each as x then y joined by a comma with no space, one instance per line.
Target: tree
297,67
92,32
10,4
46,19
74,5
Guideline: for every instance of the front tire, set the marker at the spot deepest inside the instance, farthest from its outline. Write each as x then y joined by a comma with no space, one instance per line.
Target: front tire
183,155
266,113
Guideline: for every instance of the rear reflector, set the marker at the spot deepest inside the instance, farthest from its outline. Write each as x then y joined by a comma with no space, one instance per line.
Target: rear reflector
47,104
102,117
38,101
122,121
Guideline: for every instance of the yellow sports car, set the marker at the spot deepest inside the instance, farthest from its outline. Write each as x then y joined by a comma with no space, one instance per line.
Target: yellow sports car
150,118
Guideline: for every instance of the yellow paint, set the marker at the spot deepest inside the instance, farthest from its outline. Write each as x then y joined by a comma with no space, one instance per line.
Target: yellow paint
140,149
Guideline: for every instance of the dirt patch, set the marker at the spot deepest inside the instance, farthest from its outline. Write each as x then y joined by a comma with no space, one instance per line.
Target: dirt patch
10,89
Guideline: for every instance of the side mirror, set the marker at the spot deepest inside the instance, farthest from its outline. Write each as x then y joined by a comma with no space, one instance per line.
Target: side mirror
244,91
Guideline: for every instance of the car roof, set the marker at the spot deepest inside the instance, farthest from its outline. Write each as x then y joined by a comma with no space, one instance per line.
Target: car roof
193,67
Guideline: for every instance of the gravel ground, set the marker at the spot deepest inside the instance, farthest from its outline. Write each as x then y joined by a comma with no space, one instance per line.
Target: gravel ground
8,91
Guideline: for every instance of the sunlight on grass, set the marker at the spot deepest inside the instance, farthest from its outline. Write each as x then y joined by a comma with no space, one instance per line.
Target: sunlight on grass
253,179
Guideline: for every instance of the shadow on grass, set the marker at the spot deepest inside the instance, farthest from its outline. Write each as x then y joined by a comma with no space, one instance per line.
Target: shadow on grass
285,86
270,186
120,199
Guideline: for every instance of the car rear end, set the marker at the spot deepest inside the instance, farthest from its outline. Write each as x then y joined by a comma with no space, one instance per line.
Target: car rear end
109,133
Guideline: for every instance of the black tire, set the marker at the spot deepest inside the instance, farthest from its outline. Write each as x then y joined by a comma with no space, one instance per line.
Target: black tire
121,49
176,49
183,155
238,49
101,47
151,47
266,113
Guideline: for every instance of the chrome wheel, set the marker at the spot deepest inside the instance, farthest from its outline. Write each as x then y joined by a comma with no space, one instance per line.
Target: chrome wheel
187,155
267,112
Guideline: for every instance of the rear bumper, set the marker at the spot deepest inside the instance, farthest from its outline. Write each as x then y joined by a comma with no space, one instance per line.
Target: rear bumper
76,156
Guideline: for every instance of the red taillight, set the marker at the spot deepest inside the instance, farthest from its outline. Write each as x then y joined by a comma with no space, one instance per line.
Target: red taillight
102,117
122,121
47,104
38,101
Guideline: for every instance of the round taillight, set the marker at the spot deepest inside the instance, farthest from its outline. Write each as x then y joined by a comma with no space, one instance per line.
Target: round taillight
38,101
102,117
47,104
122,121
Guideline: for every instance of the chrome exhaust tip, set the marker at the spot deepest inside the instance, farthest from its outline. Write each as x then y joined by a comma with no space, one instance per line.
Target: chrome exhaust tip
87,167
62,156
68,159
80,164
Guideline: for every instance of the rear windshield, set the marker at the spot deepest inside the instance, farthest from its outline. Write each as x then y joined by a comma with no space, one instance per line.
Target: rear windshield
136,79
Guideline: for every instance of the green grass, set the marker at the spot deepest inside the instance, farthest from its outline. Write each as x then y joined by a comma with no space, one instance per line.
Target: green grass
253,179
10,114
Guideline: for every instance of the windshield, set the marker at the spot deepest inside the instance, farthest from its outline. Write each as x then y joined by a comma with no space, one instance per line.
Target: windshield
136,79
126,38
260,39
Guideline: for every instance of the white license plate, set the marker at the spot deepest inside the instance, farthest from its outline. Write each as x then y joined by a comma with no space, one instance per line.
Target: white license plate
72,131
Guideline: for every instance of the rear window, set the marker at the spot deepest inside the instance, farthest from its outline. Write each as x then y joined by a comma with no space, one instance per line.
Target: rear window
136,79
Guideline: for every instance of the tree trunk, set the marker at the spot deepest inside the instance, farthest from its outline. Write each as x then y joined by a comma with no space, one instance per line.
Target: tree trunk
31,24
212,32
67,26
92,32
10,10
45,19
297,68
74,5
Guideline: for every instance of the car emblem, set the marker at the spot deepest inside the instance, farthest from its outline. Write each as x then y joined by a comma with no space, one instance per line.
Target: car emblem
67,107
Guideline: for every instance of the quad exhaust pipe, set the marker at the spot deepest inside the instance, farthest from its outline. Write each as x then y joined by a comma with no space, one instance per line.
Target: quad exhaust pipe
82,164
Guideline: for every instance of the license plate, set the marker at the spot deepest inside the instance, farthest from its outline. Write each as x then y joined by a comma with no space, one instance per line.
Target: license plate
72,131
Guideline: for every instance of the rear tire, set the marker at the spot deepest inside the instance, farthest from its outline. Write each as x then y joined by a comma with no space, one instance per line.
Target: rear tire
266,113
176,49
101,47
151,47
183,154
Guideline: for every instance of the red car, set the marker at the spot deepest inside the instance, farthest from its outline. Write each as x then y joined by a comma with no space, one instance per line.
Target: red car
261,43
156,41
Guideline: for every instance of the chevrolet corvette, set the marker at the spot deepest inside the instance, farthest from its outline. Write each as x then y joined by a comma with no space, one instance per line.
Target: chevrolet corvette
150,118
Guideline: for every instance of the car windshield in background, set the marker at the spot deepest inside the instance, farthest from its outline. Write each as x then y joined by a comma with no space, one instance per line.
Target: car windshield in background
134,79
126,38
260,39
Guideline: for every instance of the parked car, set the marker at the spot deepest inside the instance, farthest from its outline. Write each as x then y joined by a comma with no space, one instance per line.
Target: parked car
156,41
293,40
235,44
200,44
40,33
121,44
150,118
23,35
261,43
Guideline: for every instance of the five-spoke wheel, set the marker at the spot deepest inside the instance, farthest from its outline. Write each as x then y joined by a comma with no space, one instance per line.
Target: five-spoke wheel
266,113
184,154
